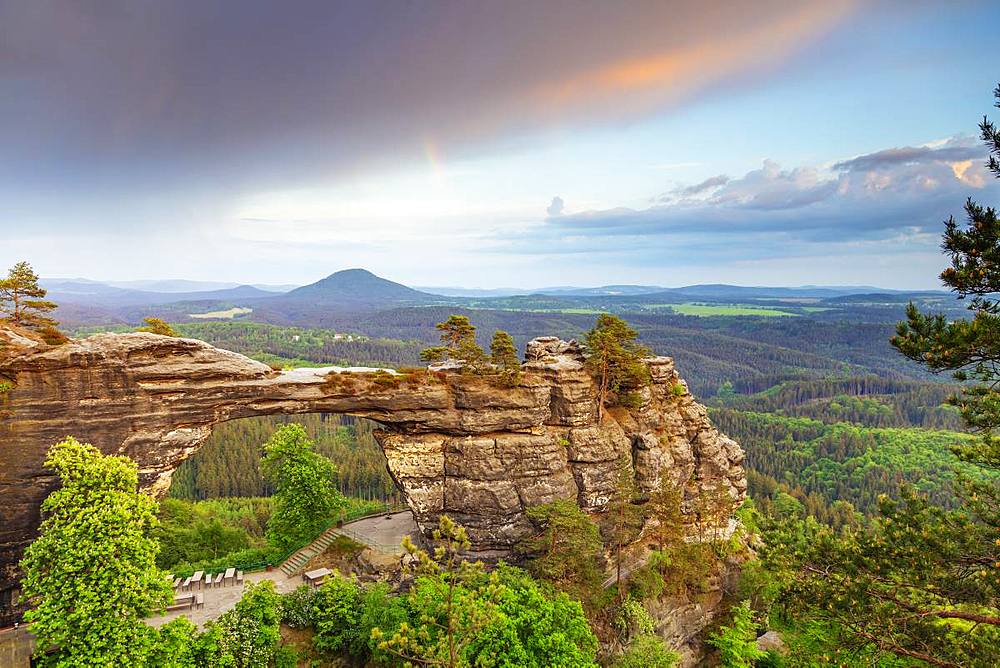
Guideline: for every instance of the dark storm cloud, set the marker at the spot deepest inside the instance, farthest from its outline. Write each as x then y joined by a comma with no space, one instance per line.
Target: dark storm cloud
190,94
899,194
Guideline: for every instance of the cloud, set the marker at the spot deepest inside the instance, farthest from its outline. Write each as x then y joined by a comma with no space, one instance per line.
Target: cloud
885,202
138,93
707,185
556,207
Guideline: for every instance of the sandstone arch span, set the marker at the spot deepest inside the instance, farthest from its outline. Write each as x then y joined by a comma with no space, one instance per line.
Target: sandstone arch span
454,443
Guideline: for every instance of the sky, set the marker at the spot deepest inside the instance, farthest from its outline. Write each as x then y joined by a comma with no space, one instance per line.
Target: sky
514,144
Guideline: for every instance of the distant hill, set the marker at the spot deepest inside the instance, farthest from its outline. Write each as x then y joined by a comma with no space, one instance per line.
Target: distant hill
185,286
357,285
92,293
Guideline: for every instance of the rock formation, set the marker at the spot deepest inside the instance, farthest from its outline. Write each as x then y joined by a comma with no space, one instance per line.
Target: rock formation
455,443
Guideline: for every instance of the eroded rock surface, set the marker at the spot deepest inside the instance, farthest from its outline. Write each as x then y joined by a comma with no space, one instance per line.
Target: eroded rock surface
455,443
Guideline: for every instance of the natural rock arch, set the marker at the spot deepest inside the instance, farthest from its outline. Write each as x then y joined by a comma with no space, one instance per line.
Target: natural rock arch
454,443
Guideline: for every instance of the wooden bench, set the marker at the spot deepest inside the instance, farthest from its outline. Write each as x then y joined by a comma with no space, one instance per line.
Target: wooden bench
317,576
182,602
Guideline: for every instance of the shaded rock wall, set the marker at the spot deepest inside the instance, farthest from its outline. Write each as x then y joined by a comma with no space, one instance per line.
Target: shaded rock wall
454,443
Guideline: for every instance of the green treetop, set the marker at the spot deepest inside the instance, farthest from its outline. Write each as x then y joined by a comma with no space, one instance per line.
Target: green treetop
157,326
567,551
458,342
614,358
306,496
23,300
503,354
91,574
737,644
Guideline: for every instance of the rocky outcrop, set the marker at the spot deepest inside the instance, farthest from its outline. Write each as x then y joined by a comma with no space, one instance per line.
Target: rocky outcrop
455,443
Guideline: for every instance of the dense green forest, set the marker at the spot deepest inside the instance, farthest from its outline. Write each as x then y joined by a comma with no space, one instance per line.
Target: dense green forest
845,462
228,464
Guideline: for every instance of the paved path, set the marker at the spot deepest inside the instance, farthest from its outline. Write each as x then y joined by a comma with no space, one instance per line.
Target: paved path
380,533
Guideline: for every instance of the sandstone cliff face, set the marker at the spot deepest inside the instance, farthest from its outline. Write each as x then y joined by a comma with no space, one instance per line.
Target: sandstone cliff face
454,443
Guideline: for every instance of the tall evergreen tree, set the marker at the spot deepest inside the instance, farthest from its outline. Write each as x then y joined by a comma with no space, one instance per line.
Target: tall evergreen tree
615,360
503,354
23,299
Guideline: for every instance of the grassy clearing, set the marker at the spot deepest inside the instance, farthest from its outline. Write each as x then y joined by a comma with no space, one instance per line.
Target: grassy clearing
228,314
705,310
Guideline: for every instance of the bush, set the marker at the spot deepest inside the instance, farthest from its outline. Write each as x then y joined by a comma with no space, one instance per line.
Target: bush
297,607
250,632
645,583
647,651
336,614
52,336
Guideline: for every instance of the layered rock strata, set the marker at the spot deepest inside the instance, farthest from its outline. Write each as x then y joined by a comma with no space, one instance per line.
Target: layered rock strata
455,443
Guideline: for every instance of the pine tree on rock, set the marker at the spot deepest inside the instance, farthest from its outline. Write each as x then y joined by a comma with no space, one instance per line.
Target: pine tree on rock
503,354
23,299
614,358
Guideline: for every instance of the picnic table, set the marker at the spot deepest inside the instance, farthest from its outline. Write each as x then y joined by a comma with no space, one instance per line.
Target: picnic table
317,576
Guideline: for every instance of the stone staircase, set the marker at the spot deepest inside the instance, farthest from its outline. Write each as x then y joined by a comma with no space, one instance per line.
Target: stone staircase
298,560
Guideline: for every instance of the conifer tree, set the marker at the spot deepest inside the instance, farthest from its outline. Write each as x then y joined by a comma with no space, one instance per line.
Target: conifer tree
157,326
614,358
458,342
503,354
567,551
626,516
23,299
668,527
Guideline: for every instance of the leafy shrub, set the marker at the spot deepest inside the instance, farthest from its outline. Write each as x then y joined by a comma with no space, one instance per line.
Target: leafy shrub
678,390
297,607
645,583
647,651
336,614
250,632
631,619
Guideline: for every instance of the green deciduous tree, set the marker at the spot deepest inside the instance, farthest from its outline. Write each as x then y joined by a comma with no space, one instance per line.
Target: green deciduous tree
305,492
249,634
614,358
23,300
91,573
532,630
737,643
157,326
647,651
